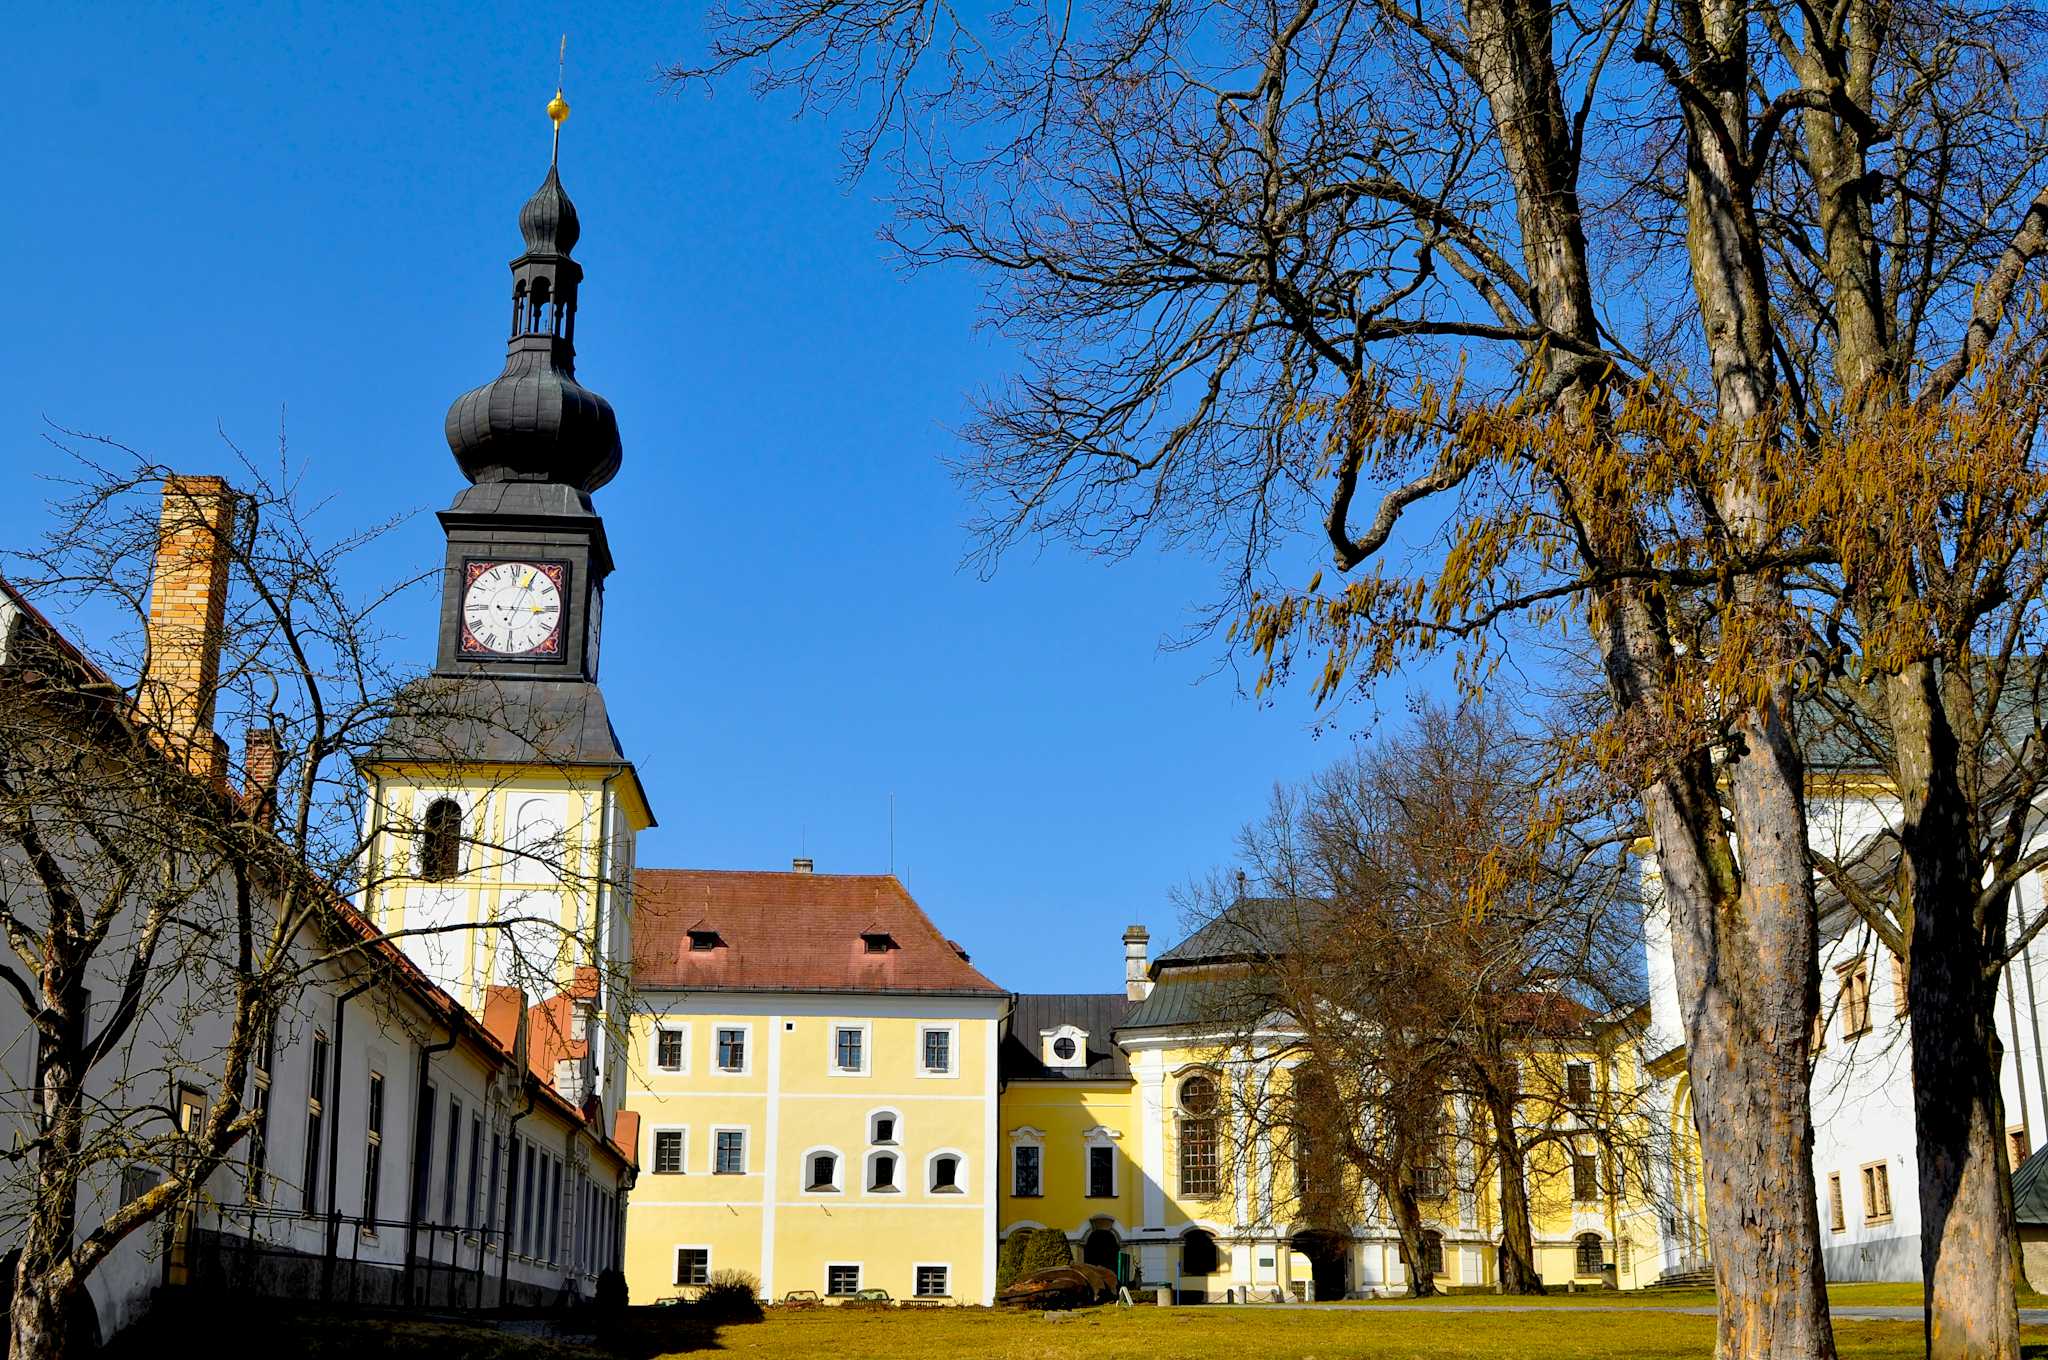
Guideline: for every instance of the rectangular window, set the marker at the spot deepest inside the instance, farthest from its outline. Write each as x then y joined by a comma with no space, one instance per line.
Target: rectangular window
1877,1193
1432,1253
373,1151
668,1152
1855,997
1101,1172
491,1188
1024,1168
693,1265
731,1153
259,1105
1578,1083
1838,1220
454,1166
316,1089
136,1181
842,1282
668,1050
476,1147
732,1050
932,1282
938,1052
2018,1146
1585,1177
423,1157
1898,984
527,1179
1198,1179
555,1211
849,1049
513,1145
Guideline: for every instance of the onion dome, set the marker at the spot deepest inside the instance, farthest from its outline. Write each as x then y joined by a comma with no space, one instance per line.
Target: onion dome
535,422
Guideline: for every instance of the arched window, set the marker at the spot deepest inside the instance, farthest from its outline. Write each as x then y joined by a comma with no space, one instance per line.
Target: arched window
536,321
1197,1253
945,1174
882,1173
1432,1252
1591,1255
1198,1161
821,1172
885,1128
441,840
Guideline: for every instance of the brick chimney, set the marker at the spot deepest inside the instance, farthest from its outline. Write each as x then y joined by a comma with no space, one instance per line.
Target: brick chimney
187,611
1137,982
260,760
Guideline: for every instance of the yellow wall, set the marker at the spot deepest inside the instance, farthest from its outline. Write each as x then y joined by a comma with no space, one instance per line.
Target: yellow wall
1059,1117
789,1102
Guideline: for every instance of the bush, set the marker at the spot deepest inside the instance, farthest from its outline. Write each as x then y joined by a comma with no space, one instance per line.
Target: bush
732,1296
1031,1249
611,1293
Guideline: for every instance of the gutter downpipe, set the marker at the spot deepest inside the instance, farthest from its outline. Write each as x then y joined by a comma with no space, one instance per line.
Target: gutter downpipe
422,1157
333,1111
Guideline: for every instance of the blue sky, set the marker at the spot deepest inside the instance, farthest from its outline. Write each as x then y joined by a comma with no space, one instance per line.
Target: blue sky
225,218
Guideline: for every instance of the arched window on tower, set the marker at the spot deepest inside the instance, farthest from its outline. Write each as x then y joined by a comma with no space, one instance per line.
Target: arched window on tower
441,840
519,307
536,320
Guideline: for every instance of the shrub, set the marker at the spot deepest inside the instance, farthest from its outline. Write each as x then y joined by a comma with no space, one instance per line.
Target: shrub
611,1293
732,1296
1048,1247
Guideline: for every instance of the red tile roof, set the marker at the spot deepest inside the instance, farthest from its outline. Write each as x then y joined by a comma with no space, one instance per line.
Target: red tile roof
791,932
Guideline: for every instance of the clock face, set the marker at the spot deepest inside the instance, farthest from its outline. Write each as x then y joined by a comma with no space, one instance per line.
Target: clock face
513,609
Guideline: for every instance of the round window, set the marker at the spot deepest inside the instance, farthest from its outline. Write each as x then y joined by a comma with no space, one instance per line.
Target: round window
1063,1048
1198,1095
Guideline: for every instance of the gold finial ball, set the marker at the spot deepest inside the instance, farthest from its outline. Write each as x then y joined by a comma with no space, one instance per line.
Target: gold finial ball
558,109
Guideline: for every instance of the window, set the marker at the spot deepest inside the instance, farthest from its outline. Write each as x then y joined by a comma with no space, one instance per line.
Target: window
554,1210
136,1181
1198,1165
527,1157
821,1172
732,1050
882,1172
1585,1176
1101,1172
946,1175
1429,1179
476,1148
373,1151
1855,999
668,1152
701,940
729,1152
1623,1253
877,941
423,1158
849,1049
2018,1146
1198,1254
1820,1030
882,1127
1591,1256
1198,1095
693,1265
491,1188
669,1047
191,1110
1064,1049
1024,1171
1837,1220
1432,1252
441,840
1578,1083
454,1161
1877,1193
937,1051
1899,984
931,1282
259,1102
842,1282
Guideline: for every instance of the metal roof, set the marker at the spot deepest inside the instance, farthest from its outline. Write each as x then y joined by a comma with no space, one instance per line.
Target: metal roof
1096,1013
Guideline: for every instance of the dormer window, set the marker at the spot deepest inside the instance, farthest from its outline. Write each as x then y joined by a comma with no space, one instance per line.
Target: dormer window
877,941
704,938
1065,1047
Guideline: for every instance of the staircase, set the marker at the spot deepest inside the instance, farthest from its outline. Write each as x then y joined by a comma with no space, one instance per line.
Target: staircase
1696,1278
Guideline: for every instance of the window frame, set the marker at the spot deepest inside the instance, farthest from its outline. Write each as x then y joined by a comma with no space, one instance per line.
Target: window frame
373,1150
951,1071
1435,1257
1093,1142
680,1282
681,1030
1037,1150
865,1029
1572,1095
867,1171
718,1131
1838,1209
1876,1176
746,1039
1585,1177
917,1269
931,1167
859,1272
837,1185
1852,996
654,1137
895,1118
1579,1241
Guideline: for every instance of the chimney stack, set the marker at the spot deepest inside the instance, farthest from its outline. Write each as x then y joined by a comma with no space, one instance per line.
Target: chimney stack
801,865
188,599
1137,982
260,759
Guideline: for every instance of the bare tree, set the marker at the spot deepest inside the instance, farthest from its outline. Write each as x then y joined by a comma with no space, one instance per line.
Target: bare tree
166,905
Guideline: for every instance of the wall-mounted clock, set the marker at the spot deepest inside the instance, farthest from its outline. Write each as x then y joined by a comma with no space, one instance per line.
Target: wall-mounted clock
513,609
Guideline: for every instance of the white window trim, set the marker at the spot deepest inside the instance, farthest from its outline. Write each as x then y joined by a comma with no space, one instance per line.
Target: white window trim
1048,1037
1102,1136
675,1261
867,1172
681,1027
916,1266
746,1150
803,1171
959,1174
952,1031
653,1135
894,1114
867,1050
1022,1138
746,1067
860,1278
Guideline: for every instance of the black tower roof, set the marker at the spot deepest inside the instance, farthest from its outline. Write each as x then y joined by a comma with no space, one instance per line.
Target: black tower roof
535,422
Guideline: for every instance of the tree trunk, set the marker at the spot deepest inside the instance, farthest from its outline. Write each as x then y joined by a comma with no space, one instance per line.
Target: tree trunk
1408,1223
1966,1235
1517,1262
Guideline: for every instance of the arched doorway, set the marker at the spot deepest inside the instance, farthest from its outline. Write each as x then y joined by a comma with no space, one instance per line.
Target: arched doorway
1329,1261
1100,1248
1198,1254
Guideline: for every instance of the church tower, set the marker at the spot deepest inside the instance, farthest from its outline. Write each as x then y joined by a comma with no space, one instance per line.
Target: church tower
504,808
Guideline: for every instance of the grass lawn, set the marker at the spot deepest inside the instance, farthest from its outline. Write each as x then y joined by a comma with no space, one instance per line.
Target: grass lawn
1235,1334
1842,1295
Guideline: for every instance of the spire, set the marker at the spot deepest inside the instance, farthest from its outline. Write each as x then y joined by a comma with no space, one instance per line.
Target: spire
535,422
